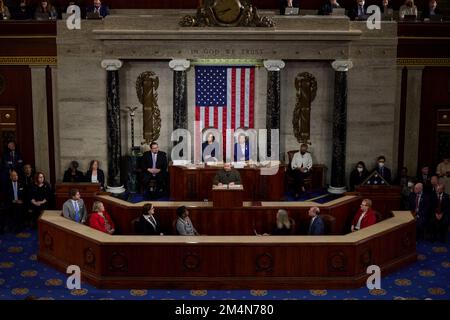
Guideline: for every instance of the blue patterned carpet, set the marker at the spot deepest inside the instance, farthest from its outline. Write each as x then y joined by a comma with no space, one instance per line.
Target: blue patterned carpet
22,277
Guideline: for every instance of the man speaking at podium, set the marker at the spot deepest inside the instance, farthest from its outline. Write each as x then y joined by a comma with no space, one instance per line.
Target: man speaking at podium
227,175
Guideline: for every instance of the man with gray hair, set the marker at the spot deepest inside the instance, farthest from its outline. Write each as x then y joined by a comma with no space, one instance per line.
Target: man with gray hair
419,204
316,226
440,214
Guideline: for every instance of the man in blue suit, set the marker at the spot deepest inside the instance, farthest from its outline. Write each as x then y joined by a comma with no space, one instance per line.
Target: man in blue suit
241,149
102,10
316,226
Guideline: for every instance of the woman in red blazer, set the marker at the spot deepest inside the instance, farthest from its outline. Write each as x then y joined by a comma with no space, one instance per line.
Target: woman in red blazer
368,216
100,219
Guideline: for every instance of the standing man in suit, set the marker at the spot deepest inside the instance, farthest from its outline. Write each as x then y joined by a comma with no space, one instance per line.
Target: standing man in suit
419,204
382,170
424,178
440,218
12,161
316,226
155,169
97,6
74,208
148,224
15,198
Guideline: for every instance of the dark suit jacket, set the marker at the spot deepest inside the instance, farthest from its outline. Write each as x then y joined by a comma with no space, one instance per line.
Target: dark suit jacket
283,4
317,228
238,152
426,181
386,173
68,177
353,12
100,177
424,209
104,10
161,161
12,164
445,205
326,9
356,179
426,12
146,228
10,192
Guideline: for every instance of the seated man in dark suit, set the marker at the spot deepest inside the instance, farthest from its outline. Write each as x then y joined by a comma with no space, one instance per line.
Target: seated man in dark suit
327,7
73,174
155,170
227,176
15,198
316,226
358,11
431,10
419,204
148,224
441,213
97,7
288,3
382,170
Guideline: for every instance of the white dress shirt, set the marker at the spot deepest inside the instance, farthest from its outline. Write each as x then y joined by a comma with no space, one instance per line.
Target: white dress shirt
302,161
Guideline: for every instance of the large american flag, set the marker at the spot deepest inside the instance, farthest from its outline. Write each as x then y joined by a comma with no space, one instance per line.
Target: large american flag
224,98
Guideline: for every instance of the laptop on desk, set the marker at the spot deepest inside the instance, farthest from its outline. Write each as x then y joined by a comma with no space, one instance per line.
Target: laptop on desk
436,17
338,12
410,17
290,11
93,15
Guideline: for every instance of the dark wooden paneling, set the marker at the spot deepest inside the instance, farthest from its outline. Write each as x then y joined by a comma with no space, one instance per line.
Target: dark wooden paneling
232,221
196,185
435,96
17,93
88,191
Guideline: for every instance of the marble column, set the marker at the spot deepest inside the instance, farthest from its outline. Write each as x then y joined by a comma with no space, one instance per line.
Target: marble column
180,113
412,117
273,98
114,182
40,124
341,68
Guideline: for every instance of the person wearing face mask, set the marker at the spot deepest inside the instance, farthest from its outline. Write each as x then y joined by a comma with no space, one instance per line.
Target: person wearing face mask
359,11
407,9
382,170
301,166
358,175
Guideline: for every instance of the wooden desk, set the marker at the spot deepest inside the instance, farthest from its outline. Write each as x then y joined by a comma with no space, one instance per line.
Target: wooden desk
227,198
220,262
259,216
195,184
87,191
384,198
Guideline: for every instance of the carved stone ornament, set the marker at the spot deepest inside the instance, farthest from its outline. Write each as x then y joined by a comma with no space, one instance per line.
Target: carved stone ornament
227,13
306,89
146,89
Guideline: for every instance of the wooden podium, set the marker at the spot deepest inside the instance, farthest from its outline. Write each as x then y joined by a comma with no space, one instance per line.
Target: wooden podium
227,197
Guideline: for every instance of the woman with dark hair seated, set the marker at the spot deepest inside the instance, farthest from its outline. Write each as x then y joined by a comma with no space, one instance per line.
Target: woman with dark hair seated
184,224
45,11
95,174
147,223
100,219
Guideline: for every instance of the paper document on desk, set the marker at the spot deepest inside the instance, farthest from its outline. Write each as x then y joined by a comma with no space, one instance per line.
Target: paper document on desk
181,162
222,187
235,186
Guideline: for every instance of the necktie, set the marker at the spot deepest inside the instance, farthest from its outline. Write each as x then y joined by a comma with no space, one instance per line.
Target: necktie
154,160
440,203
153,219
12,156
361,11
417,202
381,171
77,211
15,191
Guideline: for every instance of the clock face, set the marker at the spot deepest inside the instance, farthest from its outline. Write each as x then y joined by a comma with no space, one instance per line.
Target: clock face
227,11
